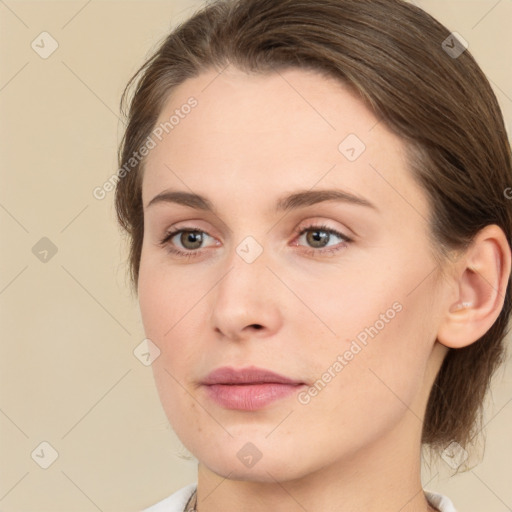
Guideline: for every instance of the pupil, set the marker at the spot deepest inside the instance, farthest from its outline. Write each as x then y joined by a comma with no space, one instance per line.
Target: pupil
318,236
193,238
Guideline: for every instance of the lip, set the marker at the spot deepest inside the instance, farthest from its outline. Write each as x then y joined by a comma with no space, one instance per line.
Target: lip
248,375
248,389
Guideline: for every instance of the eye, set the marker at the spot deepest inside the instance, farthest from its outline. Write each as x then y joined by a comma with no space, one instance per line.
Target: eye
190,240
319,237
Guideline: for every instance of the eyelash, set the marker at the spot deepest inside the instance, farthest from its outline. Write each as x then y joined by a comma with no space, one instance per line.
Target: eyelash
190,254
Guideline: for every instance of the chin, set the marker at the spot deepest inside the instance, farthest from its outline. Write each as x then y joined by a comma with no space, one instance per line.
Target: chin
266,470
253,457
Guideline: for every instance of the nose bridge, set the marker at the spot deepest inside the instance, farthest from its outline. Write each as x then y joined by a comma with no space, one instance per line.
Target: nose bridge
246,280
245,296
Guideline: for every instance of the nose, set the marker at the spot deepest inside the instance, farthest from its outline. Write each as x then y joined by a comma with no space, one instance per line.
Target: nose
247,300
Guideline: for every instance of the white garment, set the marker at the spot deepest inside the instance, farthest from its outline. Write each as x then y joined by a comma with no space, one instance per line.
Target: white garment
176,502
442,503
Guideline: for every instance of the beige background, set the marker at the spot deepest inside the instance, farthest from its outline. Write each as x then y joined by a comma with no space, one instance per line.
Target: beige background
69,325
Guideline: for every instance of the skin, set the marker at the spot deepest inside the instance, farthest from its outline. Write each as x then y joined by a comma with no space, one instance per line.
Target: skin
251,140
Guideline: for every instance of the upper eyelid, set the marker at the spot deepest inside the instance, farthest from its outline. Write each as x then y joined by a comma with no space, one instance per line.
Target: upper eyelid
319,226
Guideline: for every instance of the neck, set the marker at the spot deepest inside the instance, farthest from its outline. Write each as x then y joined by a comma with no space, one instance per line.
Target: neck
384,477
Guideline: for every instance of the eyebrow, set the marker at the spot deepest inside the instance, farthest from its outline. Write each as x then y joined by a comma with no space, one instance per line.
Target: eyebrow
290,202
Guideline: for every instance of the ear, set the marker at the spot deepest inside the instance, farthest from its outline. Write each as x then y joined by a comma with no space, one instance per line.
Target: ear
481,277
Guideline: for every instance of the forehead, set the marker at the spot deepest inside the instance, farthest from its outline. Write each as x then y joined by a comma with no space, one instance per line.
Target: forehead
289,129
291,109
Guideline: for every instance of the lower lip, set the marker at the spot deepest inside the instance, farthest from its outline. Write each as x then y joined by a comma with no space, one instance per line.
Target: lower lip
249,397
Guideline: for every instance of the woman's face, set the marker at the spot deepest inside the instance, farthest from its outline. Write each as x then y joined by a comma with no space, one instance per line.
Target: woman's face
348,310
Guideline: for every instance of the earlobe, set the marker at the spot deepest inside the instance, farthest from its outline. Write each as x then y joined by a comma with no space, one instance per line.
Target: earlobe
481,278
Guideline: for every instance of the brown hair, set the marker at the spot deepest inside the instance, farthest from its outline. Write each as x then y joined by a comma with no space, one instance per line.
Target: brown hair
392,54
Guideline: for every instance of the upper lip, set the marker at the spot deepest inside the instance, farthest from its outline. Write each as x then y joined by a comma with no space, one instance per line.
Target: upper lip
248,375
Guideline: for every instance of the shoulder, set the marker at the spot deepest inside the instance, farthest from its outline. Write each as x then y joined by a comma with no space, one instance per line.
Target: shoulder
175,502
441,502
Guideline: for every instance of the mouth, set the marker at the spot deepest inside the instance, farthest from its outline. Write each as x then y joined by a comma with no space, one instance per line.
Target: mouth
248,389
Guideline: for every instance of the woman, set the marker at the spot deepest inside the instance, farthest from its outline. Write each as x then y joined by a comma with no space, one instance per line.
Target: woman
320,243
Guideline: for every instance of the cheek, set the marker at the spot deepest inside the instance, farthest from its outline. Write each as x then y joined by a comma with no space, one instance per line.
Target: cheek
149,296
365,388
165,298
383,338
164,316
169,303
